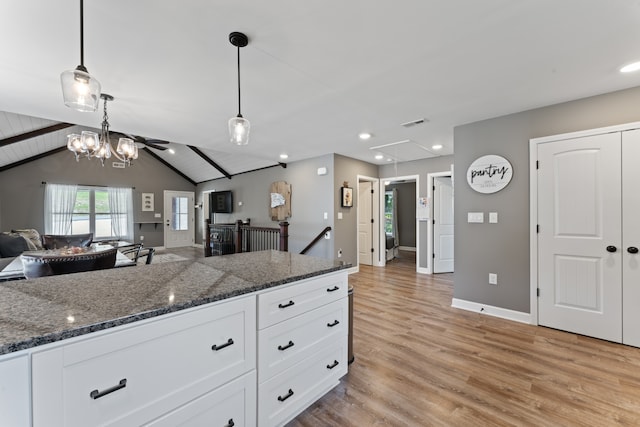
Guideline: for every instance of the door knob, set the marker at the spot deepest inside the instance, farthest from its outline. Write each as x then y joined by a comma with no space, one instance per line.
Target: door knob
611,249
632,250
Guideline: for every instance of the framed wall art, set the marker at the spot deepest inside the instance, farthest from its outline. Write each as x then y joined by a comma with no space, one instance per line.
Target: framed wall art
347,197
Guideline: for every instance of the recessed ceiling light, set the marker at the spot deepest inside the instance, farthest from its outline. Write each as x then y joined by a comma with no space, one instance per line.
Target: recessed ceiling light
172,151
389,159
630,67
284,156
364,136
437,147
379,157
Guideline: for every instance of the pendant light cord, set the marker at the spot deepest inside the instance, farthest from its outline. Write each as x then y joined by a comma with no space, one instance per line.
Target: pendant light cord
82,33
239,109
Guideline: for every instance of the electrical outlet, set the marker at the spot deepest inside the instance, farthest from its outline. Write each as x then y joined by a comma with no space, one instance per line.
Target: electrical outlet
326,215
493,279
339,253
327,235
141,238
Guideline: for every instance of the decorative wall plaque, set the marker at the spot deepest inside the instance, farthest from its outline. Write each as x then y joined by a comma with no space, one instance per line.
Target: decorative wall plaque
489,174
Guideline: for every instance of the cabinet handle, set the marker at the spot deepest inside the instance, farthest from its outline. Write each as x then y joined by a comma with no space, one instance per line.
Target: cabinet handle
335,288
611,249
285,397
283,348
335,323
217,347
289,304
333,365
632,250
95,394
230,423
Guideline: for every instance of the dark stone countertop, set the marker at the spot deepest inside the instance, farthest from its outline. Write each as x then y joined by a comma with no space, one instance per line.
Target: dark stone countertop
40,311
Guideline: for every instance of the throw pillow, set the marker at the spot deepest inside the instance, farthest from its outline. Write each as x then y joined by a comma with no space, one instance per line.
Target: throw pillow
12,245
33,236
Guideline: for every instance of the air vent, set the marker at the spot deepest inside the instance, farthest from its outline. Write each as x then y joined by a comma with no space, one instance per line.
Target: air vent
414,123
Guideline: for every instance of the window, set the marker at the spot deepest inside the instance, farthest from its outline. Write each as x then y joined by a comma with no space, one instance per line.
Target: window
180,213
106,212
388,213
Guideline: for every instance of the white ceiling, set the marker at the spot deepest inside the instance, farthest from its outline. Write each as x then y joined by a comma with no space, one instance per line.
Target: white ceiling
315,73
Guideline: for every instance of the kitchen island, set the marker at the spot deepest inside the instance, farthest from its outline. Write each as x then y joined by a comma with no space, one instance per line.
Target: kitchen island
157,344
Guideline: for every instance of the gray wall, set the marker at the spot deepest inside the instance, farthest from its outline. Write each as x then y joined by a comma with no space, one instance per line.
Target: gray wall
311,196
346,229
22,192
406,212
422,168
503,248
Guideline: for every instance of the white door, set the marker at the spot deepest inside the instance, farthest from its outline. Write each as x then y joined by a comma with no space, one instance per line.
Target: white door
442,225
579,239
178,218
631,237
365,223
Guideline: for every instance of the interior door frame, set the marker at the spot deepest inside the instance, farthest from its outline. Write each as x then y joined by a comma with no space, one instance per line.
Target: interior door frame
430,184
375,212
533,202
382,243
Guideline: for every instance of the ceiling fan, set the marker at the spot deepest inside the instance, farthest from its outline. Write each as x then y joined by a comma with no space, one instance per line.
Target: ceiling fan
148,142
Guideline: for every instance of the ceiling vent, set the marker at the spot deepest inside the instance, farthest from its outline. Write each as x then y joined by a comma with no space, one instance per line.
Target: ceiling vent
414,123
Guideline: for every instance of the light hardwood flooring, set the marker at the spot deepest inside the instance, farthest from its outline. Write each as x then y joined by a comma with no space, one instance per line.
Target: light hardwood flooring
419,362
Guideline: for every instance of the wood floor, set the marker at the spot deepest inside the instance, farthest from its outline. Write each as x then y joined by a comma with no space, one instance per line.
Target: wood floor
420,362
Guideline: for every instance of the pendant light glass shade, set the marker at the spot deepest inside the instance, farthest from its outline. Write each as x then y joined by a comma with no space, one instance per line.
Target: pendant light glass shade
80,90
239,128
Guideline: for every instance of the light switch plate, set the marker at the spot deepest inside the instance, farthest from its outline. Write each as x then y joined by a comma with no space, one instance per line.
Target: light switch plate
339,215
475,217
493,217
157,215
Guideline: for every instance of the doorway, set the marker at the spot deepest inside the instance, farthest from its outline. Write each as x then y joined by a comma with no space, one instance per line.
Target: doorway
368,218
442,225
178,218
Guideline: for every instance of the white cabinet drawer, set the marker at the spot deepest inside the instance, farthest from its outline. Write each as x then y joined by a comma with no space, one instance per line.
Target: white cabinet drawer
286,302
14,391
131,376
233,404
290,342
287,394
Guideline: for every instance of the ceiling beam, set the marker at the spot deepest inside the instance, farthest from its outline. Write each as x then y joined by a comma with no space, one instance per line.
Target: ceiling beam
208,160
167,164
31,159
34,133
280,164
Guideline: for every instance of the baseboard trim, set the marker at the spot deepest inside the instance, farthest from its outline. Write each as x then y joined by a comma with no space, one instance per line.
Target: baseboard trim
503,313
353,270
407,248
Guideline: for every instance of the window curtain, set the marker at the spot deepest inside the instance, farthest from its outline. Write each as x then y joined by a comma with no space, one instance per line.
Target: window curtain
396,231
121,207
59,202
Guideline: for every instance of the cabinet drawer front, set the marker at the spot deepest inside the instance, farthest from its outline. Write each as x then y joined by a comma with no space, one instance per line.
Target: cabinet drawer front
287,343
286,302
289,393
233,404
137,383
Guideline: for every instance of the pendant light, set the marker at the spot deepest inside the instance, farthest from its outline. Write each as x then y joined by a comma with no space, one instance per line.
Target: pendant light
239,127
80,90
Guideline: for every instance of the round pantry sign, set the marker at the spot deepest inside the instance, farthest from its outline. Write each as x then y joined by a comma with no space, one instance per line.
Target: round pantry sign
489,174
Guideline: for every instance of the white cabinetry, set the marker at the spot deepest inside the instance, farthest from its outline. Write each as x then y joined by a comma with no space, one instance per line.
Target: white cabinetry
14,391
302,345
134,375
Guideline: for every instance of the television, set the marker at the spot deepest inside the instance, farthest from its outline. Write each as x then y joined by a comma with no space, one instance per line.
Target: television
221,202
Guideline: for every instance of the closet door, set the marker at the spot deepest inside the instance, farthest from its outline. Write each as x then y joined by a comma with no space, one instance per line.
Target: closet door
579,242
631,237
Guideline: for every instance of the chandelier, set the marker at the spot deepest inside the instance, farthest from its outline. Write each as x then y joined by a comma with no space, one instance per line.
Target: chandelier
91,145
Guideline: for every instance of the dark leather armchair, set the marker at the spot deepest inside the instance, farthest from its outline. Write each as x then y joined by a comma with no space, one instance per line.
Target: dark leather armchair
48,265
55,241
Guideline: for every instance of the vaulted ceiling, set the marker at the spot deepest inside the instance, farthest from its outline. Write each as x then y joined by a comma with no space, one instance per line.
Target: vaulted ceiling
314,75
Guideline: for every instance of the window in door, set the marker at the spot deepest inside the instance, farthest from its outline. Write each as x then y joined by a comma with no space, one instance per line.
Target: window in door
180,213
388,213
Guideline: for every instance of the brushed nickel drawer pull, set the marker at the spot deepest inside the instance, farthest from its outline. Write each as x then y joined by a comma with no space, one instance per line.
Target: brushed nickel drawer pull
335,323
289,304
230,423
285,397
283,348
333,365
335,288
95,394
217,347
